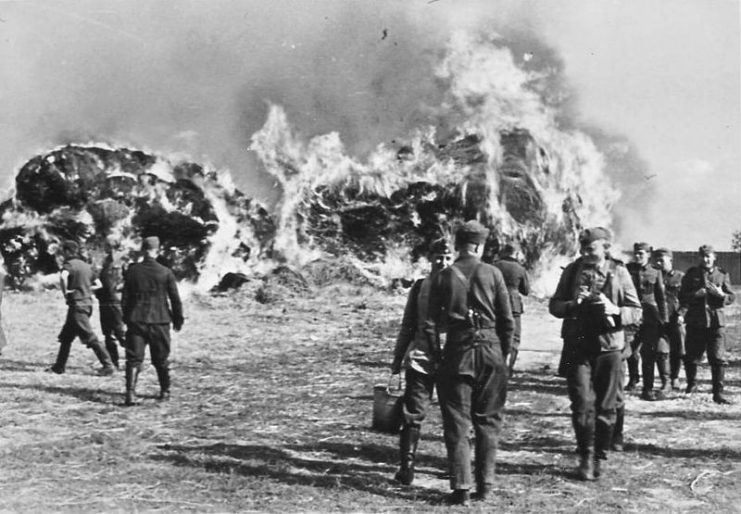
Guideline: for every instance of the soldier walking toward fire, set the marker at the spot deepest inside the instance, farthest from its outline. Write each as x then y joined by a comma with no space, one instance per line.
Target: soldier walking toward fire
76,280
652,346
471,299
674,330
420,362
705,290
595,298
148,287
515,276
109,300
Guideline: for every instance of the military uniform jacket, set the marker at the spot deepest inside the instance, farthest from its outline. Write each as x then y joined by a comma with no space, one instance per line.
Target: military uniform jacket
147,289
515,276
79,282
487,294
649,284
700,307
412,349
672,284
111,278
614,281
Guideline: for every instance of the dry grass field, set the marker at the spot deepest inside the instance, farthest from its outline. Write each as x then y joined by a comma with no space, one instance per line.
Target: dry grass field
271,412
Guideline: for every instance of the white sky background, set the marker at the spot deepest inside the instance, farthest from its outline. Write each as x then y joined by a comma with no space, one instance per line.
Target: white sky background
194,76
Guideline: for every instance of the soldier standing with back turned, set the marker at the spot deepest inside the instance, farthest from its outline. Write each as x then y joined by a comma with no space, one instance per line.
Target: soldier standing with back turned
471,299
109,299
420,361
148,288
515,276
704,292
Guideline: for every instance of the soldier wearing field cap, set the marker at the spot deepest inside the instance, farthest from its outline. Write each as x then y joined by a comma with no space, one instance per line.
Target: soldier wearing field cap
419,360
471,299
648,342
518,283
705,291
674,330
76,282
596,298
150,302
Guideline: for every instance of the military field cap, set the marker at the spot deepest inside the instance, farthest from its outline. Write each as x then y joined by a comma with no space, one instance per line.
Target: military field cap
706,250
662,251
471,232
509,250
151,243
440,247
590,235
637,247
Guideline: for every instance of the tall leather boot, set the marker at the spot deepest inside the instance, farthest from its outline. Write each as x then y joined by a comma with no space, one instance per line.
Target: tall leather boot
512,359
102,355
163,375
617,432
647,366
408,440
718,373
662,362
690,371
585,445
132,375
60,365
603,434
633,374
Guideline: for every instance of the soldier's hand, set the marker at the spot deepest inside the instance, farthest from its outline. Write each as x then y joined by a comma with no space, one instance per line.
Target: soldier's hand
717,291
701,293
610,308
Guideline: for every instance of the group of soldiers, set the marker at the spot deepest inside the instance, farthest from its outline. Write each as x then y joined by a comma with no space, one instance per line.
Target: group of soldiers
137,304
612,313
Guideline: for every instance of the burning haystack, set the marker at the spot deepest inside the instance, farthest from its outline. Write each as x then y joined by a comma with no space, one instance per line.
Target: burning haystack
87,193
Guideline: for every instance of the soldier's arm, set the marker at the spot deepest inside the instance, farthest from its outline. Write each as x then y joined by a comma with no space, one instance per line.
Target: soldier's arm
407,329
631,311
175,303
561,305
524,283
505,322
63,277
434,316
730,297
660,295
125,297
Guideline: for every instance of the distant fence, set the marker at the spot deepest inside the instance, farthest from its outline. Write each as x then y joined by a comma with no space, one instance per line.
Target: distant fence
729,261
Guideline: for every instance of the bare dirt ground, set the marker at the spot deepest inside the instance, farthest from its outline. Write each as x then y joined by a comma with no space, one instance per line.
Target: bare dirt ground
271,411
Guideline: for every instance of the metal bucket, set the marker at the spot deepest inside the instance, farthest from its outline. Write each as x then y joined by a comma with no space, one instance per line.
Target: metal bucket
387,411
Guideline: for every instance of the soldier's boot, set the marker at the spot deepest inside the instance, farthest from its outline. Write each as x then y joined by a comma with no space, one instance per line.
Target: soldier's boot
60,365
690,371
675,364
132,375
408,440
603,437
112,349
512,359
104,358
675,384
163,376
718,375
662,362
460,497
585,446
633,374
647,366
585,471
617,443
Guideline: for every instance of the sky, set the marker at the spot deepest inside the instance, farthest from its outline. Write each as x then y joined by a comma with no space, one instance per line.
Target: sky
196,80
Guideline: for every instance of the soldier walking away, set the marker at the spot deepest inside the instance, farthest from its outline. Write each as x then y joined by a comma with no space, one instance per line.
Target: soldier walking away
653,347
420,362
76,281
705,290
148,287
109,300
515,276
595,298
674,329
471,299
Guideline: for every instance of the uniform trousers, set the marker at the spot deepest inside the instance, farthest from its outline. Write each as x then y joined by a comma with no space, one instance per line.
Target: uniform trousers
654,352
593,383
701,339
472,388
156,335
417,397
675,333
112,325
